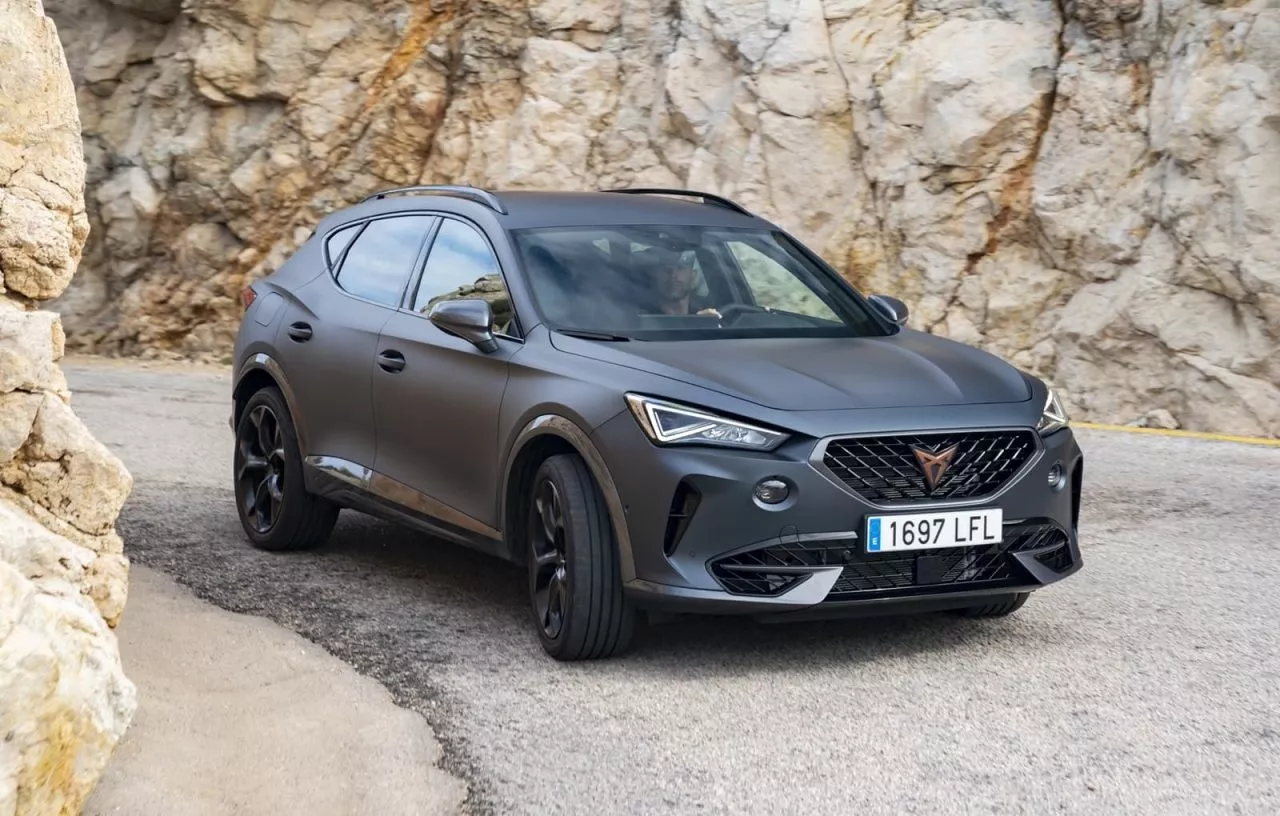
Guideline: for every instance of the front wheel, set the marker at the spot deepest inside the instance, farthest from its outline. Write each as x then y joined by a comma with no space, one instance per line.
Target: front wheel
575,586
275,509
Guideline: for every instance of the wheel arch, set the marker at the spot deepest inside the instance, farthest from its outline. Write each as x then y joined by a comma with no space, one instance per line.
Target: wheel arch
260,371
545,436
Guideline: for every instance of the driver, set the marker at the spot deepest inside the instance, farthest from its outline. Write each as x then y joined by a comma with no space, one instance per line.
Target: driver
674,283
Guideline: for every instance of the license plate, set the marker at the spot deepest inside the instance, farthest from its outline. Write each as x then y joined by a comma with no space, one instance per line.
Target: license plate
934,531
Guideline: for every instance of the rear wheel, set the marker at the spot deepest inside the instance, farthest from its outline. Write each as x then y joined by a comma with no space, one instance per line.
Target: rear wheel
275,509
998,608
575,586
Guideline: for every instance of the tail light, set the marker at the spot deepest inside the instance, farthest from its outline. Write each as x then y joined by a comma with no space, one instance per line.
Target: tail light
247,297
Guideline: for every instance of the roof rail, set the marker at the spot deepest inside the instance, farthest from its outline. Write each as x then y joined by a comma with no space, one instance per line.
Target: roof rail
475,194
707,198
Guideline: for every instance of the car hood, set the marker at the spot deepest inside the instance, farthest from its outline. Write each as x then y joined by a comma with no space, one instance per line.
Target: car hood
796,374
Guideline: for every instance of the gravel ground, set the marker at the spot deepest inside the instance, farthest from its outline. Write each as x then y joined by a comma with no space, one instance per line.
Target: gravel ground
1147,683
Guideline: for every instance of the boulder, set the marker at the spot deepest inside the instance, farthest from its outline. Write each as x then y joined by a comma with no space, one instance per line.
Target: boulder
64,699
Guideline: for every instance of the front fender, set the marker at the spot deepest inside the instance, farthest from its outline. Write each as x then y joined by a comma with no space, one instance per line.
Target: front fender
580,441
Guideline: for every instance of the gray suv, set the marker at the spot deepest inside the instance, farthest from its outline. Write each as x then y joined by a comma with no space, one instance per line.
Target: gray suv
655,401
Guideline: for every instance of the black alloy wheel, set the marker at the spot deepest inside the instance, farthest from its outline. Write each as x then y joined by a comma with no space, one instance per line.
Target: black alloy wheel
275,509
548,576
260,471
575,583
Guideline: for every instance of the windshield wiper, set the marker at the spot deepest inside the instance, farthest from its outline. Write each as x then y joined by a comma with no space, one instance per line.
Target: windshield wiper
592,335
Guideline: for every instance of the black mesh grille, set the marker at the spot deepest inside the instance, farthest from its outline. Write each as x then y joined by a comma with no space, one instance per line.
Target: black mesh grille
772,570
884,469
959,568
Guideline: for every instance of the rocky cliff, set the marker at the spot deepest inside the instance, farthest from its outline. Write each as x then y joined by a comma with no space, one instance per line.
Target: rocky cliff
1088,187
64,701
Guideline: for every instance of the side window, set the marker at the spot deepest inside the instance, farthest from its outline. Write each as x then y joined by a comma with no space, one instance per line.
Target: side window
775,287
462,266
381,260
338,241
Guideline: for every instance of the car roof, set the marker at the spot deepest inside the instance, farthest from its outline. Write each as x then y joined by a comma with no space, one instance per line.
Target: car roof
540,208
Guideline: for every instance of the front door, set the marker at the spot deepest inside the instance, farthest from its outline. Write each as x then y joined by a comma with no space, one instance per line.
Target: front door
437,416
330,335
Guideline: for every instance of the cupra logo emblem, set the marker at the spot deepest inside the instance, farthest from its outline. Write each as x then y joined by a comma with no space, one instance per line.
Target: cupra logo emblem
934,465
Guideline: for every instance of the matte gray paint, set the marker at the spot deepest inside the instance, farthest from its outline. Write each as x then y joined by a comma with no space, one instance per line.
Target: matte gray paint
907,370
893,309
437,420
558,426
436,440
472,320
261,361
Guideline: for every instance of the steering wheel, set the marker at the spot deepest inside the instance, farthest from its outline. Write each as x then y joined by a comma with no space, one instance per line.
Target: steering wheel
730,314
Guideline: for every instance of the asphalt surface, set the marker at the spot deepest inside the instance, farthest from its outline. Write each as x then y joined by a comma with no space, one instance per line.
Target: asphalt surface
1147,683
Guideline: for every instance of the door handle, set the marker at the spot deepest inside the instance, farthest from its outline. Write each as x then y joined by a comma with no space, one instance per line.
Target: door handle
392,361
300,332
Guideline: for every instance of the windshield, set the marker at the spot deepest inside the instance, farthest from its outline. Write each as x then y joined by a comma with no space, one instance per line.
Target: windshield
684,283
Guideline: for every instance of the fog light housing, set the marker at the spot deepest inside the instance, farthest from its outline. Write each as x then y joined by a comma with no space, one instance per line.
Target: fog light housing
772,491
1057,477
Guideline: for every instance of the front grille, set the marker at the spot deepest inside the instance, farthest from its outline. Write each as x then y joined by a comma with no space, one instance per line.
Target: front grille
775,569
959,568
884,469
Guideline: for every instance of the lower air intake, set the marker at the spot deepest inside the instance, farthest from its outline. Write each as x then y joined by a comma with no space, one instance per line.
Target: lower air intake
773,570
875,574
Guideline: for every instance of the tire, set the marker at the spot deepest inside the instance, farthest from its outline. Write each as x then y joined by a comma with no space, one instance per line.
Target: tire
275,509
996,609
575,587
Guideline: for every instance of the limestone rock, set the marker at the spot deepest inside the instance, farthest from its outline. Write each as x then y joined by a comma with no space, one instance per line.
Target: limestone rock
38,554
158,10
1088,187
64,699
65,470
42,220
17,415
30,345
1159,418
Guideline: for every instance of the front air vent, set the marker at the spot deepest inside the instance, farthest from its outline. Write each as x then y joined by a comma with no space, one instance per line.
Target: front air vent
683,505
778,567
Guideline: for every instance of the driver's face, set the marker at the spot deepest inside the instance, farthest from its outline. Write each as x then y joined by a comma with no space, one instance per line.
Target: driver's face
675,282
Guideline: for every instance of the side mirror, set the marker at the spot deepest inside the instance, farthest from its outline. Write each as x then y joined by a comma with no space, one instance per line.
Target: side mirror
471,319
891,308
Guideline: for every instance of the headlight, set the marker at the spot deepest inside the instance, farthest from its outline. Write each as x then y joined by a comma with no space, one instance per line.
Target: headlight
1054,417
667,423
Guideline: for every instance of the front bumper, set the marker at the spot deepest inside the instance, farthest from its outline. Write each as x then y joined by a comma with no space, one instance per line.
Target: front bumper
680,557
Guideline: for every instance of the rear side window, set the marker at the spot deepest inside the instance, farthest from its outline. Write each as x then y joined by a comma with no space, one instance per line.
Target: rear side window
338,241
380,261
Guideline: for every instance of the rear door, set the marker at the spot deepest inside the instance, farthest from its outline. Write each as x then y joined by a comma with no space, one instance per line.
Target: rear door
329,339
438,415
